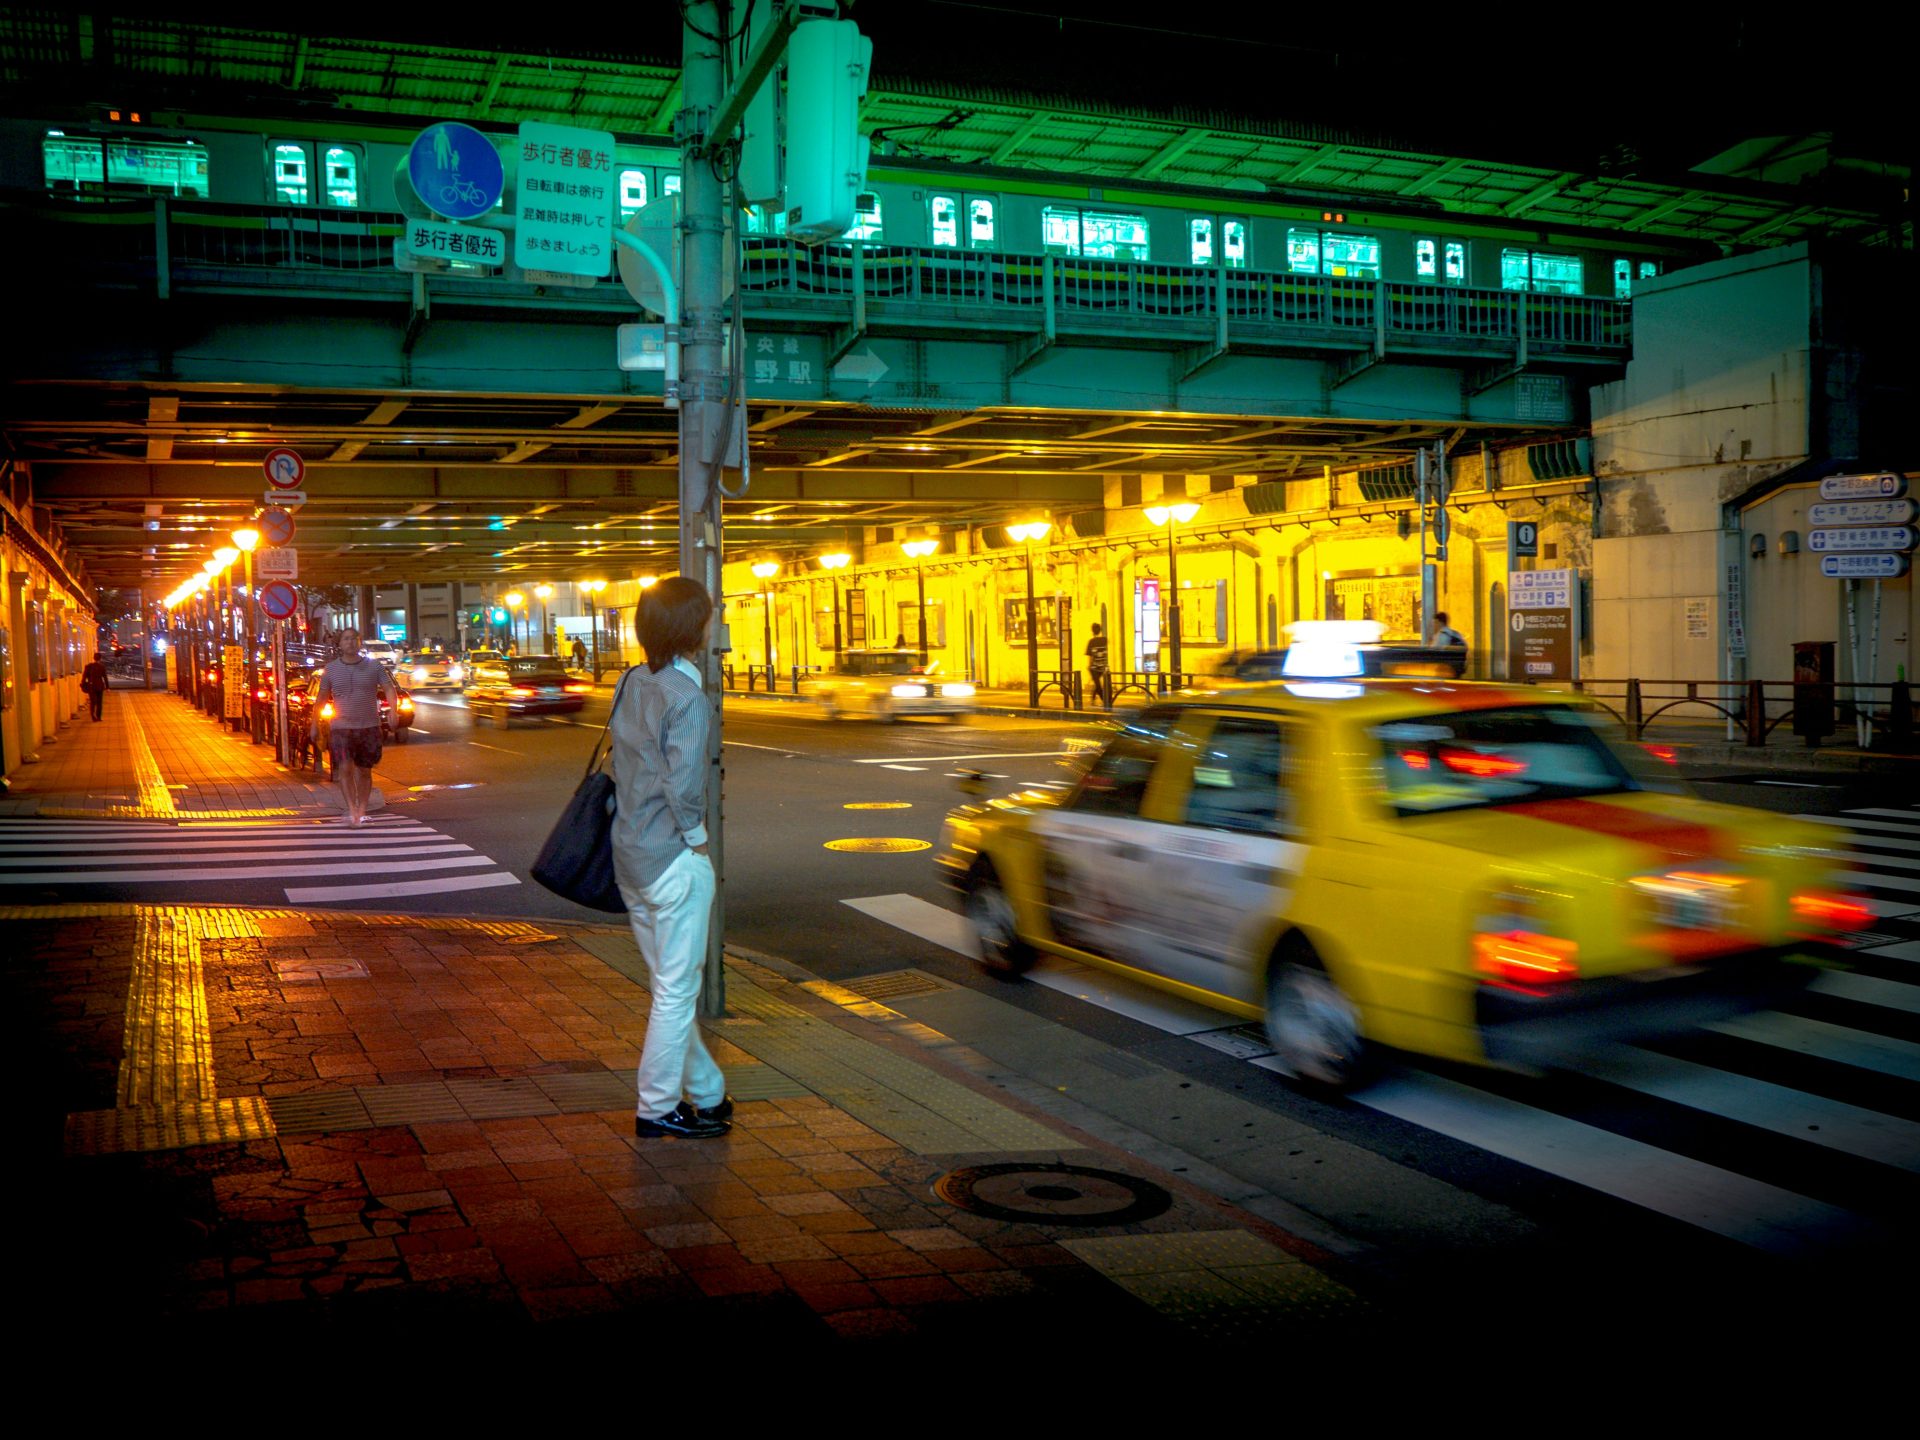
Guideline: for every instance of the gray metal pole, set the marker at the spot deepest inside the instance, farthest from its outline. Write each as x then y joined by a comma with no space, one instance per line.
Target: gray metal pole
1033,639
703,408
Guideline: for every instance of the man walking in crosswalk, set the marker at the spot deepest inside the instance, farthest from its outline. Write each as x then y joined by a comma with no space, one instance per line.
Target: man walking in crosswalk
355,687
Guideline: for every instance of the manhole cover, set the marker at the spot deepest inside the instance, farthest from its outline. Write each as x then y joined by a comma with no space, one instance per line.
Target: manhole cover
528,939
878,805
879,845
1053,1194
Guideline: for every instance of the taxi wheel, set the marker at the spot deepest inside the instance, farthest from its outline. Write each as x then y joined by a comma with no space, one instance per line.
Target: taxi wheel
1312,1026
1002,951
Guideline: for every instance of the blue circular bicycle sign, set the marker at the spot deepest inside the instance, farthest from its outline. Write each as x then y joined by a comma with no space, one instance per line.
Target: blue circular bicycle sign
455,171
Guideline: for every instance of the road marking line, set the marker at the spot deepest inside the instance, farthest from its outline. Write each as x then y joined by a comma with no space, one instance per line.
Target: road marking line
1910,815
481,745
919,918
746,745
244,872
375,841
1845,824
1010,755
308,894
1869,990
313,853
915,768
1863,1051
1873,880
1750,1211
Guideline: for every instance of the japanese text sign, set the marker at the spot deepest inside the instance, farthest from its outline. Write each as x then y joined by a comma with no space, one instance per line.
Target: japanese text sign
565,198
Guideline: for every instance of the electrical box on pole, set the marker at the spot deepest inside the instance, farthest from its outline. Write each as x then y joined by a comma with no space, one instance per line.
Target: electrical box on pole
762,171
827,65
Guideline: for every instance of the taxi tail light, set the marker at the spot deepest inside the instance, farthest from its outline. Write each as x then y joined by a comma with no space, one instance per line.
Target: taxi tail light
1828,910
578,689
261,693
405,703
326,711
521,691
1481,765
1523,960
1666,754
1415,760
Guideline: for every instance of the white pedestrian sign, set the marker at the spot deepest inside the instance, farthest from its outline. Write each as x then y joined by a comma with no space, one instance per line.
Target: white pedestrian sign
282,563
564,200
432,240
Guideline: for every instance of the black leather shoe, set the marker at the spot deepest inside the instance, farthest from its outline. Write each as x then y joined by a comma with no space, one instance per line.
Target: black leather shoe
681,1121
722,1111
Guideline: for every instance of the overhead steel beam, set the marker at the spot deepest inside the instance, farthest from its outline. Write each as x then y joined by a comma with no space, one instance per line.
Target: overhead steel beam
1540,192
1168,153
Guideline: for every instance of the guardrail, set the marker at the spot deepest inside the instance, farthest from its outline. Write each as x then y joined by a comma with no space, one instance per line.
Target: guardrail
188,241
1758,707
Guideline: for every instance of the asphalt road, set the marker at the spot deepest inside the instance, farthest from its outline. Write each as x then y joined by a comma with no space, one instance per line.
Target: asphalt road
1694,1160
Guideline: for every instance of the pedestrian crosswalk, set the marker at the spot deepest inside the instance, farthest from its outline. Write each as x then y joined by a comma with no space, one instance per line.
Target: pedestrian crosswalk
1794,1131
310,861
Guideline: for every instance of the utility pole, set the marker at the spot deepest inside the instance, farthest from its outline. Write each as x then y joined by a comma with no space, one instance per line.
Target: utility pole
703,410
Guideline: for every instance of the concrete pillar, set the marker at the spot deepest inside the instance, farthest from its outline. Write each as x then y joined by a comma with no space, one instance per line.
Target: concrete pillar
369,615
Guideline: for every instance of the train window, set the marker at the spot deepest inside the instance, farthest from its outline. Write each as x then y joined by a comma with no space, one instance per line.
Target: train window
670,184
290,174
1427,260
1233,243
1538,271
943,220
1200,237
633,192
1094,233
343,177
84,165
979,223
1333,252
866,217
764,220
1623,279
1648,269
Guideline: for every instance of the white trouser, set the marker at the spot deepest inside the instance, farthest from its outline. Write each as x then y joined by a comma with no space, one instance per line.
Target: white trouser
670,919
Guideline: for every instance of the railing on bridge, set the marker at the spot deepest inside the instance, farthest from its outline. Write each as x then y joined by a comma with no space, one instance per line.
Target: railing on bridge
204,244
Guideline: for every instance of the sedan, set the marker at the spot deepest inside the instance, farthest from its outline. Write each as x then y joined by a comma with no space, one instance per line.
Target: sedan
432,670
1467,871
885,685
524,685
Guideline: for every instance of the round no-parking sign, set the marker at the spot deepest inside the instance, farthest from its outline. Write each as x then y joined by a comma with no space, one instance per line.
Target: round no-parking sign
276,526
278,600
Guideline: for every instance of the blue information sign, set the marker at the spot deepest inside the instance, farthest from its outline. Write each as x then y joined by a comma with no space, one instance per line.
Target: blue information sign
455,171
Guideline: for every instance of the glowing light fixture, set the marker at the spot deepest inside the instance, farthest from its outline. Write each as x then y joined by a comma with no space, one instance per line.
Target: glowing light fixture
766,569
1180,514
246,538
919,549
839,560
226,555
1030,530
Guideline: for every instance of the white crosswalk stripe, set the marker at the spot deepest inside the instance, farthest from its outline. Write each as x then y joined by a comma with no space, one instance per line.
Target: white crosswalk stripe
1810,1122
182,861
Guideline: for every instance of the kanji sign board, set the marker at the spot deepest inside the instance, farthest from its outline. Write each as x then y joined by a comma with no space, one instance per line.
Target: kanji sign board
564,200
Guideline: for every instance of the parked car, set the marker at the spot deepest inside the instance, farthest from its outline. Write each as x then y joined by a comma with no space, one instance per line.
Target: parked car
1468,871
517,685
432,670
885,685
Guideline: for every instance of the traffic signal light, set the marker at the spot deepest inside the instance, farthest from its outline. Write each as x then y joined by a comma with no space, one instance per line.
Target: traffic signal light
476,617
499,614
827,65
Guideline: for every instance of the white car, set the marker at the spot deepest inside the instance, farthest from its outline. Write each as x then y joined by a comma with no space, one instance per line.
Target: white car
885,685
380,650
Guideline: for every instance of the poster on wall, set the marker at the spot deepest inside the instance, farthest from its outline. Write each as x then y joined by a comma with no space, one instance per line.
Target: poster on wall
1393,600
1146,625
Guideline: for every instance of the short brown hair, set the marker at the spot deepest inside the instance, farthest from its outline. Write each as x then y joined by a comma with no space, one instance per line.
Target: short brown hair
671,619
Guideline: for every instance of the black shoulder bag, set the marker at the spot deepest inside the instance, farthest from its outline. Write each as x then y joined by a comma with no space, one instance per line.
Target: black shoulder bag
576,863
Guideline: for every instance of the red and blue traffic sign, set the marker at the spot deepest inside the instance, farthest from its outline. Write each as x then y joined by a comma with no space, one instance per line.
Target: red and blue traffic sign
285,469
278,600
276,526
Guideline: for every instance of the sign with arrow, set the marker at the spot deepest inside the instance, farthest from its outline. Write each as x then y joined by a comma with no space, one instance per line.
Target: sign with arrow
1862,512
1863,567
1896,538
862,368
1863,487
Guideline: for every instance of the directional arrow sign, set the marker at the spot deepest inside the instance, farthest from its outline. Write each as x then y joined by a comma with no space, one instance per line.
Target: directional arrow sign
1863,487
1862,537
290,499
1863,567
865,367
279,564
1862,512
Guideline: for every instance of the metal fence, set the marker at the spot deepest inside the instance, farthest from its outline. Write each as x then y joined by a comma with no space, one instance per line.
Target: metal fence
1756,708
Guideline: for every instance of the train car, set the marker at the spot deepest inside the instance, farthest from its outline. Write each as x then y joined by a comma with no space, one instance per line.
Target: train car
348,177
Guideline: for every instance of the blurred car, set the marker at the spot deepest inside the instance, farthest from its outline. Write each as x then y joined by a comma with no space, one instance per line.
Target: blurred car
432,670
481,657
516,685
396,717
1466,871
884,685
380,650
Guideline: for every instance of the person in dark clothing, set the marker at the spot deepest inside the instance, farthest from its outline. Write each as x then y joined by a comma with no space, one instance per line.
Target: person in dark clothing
1097,667
93,680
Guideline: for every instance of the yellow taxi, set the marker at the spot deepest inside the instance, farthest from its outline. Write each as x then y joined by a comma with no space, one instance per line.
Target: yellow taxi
1468,871
886,685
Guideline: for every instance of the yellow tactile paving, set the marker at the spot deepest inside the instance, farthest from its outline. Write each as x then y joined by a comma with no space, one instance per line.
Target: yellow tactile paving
156,800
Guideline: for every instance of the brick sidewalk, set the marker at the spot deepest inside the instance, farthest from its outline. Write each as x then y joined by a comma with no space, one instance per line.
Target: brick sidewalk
152,756
271,1122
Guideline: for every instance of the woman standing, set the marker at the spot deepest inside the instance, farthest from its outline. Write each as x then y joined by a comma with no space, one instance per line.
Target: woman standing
660,856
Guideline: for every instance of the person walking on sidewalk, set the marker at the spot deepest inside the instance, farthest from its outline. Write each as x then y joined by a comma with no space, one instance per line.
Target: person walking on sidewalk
355,685
1097,667
93,680
579,654
661,859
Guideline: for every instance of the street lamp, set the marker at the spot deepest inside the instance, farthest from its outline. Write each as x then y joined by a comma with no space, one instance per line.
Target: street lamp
766,570
1027,533
918,550
832,564
513,600
545,592
246,537
591,589
1172,516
